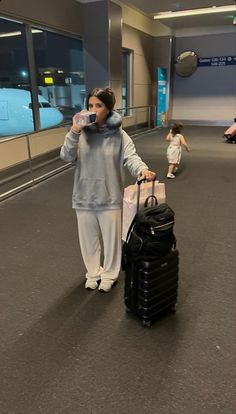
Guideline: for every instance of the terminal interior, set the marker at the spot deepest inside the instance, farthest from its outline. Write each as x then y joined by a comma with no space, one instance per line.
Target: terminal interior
65,349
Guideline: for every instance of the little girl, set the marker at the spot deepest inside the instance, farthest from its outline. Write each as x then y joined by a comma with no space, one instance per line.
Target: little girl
174,149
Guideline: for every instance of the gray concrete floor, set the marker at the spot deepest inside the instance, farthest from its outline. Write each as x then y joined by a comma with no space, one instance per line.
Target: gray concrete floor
71,351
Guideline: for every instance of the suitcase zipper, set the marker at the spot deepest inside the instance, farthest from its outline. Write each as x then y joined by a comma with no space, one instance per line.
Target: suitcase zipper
160,226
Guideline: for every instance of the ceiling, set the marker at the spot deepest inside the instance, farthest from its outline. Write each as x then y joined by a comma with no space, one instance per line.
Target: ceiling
151,7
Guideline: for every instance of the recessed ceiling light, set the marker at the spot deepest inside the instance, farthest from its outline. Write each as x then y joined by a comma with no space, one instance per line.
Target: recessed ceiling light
195,12
18,33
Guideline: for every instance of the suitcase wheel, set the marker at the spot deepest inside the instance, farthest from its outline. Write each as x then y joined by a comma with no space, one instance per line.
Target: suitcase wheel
147,323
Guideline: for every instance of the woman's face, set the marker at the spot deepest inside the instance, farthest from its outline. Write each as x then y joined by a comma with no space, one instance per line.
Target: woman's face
95,105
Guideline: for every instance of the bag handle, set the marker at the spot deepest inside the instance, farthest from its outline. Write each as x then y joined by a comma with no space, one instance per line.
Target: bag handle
151,197
141,180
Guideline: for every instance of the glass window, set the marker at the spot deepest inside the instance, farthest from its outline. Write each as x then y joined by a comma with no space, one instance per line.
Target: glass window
60,74
126,81
58,82
15,98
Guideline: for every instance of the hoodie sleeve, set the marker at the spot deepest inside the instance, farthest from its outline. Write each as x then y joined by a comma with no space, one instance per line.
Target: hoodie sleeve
69,149
131,159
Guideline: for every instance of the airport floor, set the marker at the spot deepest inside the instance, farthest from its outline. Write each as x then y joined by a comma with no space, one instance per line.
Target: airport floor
66,350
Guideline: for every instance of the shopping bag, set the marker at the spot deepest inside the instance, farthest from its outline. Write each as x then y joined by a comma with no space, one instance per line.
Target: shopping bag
130,201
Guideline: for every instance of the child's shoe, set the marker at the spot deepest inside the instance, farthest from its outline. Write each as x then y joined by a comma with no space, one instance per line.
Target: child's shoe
169,175
175,170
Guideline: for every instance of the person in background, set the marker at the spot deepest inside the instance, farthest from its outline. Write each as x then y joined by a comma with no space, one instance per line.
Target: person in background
101,149
230,133
176,141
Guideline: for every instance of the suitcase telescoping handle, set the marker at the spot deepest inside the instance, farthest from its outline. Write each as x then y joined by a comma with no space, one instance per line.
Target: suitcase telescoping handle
141,180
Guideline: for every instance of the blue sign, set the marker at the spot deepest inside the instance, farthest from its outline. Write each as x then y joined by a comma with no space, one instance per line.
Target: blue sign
161,97
217,61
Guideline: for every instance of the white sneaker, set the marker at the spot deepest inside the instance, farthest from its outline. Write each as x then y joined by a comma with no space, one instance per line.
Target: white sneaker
106,285
175,170
170,175
91,284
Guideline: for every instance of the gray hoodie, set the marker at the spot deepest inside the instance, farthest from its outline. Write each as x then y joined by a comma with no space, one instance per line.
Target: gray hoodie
101,155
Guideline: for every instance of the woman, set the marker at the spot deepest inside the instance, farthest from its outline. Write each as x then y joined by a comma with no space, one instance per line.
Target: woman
101,150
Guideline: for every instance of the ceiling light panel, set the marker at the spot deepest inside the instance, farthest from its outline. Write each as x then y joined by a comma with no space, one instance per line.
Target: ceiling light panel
195,12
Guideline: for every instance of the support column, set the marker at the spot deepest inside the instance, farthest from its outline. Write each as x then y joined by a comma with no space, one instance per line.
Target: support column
102,25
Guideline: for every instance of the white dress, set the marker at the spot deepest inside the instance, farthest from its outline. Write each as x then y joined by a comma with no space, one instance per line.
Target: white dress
174,150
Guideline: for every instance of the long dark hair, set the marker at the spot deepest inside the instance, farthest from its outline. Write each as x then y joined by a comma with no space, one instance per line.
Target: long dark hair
105,95
177,128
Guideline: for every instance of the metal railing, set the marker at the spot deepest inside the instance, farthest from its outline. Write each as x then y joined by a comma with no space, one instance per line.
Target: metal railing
139,119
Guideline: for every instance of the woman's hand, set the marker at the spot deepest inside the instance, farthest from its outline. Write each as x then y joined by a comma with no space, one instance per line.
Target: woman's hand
148,175
80,120
75,127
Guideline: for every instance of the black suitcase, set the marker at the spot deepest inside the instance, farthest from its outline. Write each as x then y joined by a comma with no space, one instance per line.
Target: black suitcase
151,281
151,287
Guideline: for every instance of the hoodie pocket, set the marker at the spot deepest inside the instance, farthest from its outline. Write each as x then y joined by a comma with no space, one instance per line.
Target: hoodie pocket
93,191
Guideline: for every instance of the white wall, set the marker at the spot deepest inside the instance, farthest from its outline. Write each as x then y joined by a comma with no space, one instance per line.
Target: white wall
209,94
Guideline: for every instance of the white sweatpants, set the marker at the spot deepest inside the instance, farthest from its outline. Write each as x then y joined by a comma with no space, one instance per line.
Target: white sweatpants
92,226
